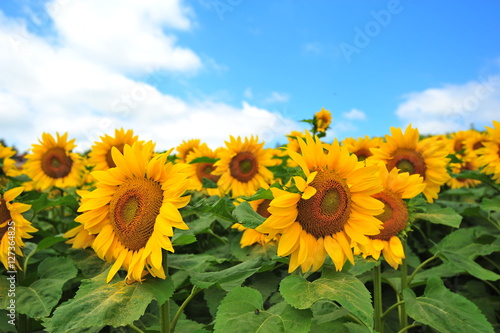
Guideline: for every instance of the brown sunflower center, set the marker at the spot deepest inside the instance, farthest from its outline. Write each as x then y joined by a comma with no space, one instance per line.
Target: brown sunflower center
133,211
326,212
243,166
109,158
363,154
394,217
478,145
55,163
4,217
262,208
458,145
407,160
204,170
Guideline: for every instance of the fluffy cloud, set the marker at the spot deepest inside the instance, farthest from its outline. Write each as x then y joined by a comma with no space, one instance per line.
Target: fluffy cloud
79,79
277,97
354,114
452,107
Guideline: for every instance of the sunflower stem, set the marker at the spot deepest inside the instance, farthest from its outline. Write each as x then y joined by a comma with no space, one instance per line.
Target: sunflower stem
165,307
403,318
422,265
194,291
135,328
377,298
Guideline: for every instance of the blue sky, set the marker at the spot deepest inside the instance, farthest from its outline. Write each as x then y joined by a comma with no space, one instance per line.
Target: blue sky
175,70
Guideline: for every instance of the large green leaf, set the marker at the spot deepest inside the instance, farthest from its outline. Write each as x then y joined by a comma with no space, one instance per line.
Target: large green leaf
491,204
229,278
438,215
38,299
242,308
444,310
246,215
117,303
343,288
43,202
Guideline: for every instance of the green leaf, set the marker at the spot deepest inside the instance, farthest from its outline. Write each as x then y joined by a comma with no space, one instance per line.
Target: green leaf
43,202
444,310
438,215
469,265
229,278
222,209
204,159
336,286
49,241
180,239
261,194
208,183
491,204
98,303
192,262
247,216
38,299
242,308
88,262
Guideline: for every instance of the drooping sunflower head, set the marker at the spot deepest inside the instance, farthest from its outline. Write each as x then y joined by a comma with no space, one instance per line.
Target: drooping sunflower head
243,166
406,152
395,218
52,163
332,209
361,146
13,228
322,120
199,170
133,210
186,148
100,153
489,158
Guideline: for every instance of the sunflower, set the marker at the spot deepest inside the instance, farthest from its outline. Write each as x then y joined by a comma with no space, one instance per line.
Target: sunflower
361,146
243,166
425,157
333,208
8,164
13,228
252,236
474,141
79,237
133,209
52,163
457,141
397,186
197,171
468,164
100,152
186,148
489,158
322,120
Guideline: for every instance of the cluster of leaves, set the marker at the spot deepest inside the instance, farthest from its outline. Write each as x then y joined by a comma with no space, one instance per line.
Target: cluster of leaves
448,283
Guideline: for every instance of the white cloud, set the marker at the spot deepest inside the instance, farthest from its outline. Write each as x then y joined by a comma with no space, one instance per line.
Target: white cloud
76,80
248,93
277,97
452,107
354,114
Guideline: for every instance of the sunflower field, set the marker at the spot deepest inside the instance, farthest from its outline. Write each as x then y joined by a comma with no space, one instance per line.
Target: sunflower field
386,234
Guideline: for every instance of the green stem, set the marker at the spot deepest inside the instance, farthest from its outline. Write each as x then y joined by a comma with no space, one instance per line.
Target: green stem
406,328
403,319
422,265
194,291
377,298
165,307
135,328
392,307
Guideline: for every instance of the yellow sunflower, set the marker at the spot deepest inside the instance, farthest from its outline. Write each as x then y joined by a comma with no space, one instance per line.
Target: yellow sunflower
79,237
425,157
361,146
197,171
13,228
322,120
52,163
468,164
333,209
243,166
457,141
474,141
9,167
186,148
100,152
489,158
252,236
133,210
397,186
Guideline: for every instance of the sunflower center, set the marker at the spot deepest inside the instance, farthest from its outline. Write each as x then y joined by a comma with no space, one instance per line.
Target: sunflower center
243,166
133,211
262,208
326,212
363,154
204,170
109,158
55,163
458,145
394,217
4,217
478,145
407,160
